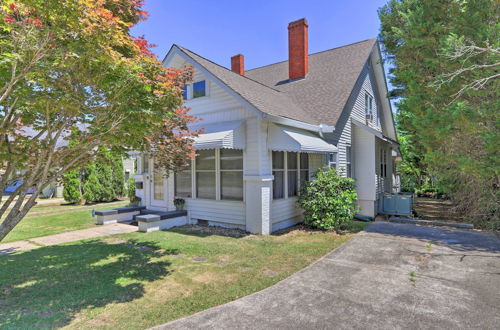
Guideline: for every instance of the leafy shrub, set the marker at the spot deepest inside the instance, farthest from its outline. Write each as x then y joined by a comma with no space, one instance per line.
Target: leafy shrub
72,187
328,201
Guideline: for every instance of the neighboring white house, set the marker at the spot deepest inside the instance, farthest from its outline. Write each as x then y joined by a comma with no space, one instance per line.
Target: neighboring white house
269,128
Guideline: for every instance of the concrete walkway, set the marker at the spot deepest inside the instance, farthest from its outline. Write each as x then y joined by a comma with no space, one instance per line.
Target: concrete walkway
71,236
392,276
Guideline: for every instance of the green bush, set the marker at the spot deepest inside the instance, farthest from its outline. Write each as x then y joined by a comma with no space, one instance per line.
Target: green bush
72,187
328,201
92,188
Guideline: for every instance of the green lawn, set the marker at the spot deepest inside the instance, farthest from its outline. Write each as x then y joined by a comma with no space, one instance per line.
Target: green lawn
54,219
137,280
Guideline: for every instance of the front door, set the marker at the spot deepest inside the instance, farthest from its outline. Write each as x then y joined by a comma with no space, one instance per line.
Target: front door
158,189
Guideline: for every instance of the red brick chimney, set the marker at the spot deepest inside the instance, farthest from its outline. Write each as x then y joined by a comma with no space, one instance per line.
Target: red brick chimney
297,49
238,64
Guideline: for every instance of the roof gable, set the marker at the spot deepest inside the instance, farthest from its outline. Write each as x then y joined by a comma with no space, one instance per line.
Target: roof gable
261,97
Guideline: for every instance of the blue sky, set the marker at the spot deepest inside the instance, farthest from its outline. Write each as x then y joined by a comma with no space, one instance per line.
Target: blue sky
218,29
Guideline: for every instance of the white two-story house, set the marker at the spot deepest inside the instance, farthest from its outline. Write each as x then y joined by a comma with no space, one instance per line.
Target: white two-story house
268,129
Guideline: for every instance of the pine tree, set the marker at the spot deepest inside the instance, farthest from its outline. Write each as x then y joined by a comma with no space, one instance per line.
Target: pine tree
92,188
104,174
118,176
72,187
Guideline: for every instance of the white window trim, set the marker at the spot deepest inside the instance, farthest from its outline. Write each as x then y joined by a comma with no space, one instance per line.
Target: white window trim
218,186
190,91
369,100
231,170
285,174
335,161
217,176
349,161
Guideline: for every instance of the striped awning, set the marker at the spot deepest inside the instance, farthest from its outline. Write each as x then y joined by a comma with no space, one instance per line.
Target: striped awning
284,138
228,135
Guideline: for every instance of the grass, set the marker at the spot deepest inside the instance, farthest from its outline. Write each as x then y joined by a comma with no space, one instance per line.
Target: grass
52,219
135,281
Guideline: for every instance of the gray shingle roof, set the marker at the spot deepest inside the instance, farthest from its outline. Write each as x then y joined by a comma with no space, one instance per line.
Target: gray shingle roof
326,88
319,98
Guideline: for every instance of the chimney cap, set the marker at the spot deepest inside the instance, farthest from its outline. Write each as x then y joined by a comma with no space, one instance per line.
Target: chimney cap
298,22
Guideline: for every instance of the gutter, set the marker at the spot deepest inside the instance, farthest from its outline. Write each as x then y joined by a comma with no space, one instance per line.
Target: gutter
321,128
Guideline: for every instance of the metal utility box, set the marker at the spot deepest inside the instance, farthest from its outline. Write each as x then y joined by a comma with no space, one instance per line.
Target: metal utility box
396,204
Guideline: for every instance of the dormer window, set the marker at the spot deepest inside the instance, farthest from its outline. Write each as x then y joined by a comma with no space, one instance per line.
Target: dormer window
199,89
368,107
194,90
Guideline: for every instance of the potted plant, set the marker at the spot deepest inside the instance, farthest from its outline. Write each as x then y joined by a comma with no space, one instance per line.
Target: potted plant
179,203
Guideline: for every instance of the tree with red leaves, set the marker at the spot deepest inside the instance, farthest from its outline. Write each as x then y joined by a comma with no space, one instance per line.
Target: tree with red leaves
73,81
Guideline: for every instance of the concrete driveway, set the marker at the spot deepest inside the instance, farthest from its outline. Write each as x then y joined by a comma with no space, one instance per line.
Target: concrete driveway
392,276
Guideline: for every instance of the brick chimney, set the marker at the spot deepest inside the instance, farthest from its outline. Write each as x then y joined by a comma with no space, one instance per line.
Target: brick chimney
238,64
297,49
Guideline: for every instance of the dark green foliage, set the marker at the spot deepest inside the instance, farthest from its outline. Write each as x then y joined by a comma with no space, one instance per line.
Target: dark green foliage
72,187
131,189
108,178
92,188
104,174
328,201
118,176
450,131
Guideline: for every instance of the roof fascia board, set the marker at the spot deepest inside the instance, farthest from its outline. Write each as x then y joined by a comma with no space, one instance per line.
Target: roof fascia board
321,128
378,69
374,132
176,51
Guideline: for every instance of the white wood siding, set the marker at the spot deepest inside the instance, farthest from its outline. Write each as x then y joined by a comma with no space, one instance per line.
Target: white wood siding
342,136
284,209
220,211
217,106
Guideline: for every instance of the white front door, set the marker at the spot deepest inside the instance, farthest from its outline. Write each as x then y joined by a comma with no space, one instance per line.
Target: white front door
158,189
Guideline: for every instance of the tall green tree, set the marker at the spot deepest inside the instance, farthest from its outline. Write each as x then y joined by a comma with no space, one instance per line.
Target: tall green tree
92,189
72,187
445,62
72,68
118,176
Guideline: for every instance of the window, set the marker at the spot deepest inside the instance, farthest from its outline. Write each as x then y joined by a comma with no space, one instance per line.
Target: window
348,161
383,163
332,160
199,89
289,174
185,92
368,106
158,186
304,167
279,174
231,174
145,164
205,174
292,174
183,183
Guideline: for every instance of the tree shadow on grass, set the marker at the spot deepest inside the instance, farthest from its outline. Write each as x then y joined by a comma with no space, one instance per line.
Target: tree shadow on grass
47,287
